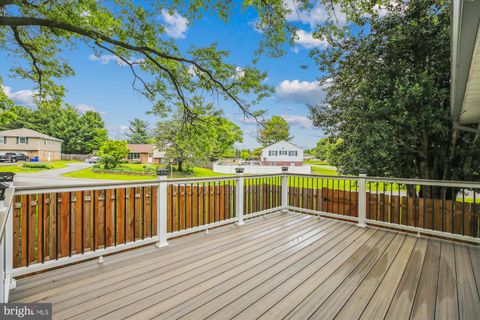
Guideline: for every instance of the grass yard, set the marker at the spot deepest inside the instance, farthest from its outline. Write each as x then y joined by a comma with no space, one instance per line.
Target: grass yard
20,168
89,174
324,170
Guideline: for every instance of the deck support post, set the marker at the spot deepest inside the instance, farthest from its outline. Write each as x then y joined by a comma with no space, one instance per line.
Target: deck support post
162,208
284,190
362,200
239,196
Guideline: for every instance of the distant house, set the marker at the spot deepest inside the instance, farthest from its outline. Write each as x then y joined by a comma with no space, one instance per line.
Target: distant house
32,143
144,153
282,153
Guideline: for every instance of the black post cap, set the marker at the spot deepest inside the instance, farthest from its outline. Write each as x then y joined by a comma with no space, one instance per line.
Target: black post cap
239,170
284,169
162,172
6,176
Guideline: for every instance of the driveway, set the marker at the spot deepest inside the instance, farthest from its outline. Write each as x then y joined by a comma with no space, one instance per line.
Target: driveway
54,177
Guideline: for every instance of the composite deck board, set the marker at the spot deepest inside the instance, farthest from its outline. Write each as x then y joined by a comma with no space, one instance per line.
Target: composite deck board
160,284
281,266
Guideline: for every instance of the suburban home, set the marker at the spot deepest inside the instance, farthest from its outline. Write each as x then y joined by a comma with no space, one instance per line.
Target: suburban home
282,153
32,143
145,153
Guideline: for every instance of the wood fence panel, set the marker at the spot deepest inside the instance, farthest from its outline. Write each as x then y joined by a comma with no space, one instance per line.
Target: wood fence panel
154,211
17,236
121,207
109,219
32,219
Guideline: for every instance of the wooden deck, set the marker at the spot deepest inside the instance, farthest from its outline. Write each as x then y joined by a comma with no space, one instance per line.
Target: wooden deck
282,266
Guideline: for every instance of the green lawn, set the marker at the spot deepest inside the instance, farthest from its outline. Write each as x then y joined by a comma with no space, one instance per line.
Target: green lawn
318,162
324,170
18,167
89,174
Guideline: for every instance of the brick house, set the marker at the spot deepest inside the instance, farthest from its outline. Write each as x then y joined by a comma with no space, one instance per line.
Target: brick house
144,153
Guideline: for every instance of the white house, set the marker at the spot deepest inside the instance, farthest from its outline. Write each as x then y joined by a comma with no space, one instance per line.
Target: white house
282,153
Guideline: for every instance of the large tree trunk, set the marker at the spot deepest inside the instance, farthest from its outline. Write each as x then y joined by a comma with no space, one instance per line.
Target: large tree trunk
180,165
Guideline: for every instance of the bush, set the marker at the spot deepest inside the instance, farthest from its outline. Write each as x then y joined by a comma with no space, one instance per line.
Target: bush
112,152
36,165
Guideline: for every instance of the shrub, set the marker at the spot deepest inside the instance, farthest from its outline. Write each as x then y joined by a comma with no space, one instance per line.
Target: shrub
36,165
112,152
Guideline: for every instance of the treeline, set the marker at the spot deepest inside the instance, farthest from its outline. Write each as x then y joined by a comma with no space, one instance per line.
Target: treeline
82,133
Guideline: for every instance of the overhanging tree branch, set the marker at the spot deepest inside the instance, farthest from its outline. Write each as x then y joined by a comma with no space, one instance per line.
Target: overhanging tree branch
148,52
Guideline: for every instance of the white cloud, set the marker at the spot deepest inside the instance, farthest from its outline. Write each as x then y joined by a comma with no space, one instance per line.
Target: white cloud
107,58
298,120
175,25
118,132
304,92
316,15
23,97
306,40
82,108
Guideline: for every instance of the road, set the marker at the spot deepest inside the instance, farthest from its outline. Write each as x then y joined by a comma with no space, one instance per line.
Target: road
54,177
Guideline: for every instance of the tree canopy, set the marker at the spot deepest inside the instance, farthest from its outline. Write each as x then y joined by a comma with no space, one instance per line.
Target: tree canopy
139,132
211,137
81,133
274,130
388,97
166,74
112,152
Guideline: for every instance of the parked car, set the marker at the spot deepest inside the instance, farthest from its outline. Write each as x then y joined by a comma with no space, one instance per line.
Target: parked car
93,160
13,157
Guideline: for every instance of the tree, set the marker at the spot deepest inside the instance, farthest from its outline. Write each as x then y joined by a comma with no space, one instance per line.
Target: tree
92,132
207,139
138,132
245,154
274,130
388,98
81,133
112,152
325,148
166,74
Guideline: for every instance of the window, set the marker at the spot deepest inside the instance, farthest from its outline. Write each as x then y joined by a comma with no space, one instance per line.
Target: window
283,152
292,153
272,153
3,140
134,156
22,140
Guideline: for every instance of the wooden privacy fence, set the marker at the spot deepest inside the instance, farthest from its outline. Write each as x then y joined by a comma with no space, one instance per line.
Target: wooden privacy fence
262,194
49,226
194,205
456,217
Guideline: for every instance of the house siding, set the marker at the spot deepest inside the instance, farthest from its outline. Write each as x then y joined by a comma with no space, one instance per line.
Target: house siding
45,149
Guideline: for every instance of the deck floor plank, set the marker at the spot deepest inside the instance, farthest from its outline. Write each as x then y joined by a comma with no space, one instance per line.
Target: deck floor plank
447,299
195,243
468,298
167,282
281,266
402,302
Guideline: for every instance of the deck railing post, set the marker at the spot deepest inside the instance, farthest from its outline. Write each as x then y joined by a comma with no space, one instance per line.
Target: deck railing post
362,200
162,208
239,209
284,189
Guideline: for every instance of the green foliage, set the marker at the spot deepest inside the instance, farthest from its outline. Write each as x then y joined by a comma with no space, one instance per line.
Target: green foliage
388,97
36,165
139,133
325,148
257,153
274,130
81,133
245,154
207,138
112,152
165,73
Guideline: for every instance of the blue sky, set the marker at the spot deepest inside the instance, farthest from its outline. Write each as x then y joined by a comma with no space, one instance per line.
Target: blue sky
102,85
